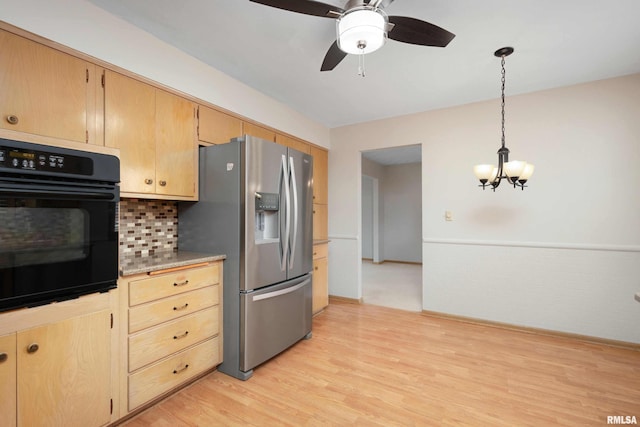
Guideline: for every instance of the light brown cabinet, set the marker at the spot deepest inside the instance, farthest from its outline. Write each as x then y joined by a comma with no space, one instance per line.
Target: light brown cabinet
258,131
216,127
320,222
154,131
320,278
173,330
58,373
320,174
294,143
8,368
46,92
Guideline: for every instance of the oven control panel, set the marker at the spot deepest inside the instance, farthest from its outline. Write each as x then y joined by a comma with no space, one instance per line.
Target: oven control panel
32,160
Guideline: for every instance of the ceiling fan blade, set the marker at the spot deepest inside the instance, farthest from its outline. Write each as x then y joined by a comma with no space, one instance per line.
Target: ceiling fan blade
307,7
333,57
415,31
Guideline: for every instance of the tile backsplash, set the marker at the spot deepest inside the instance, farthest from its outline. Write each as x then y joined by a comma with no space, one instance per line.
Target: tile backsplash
148,227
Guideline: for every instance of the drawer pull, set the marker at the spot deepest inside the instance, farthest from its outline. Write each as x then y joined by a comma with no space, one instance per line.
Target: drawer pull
182,307
184,368
186,282
163,183
12,119
3,357
148,181
32,348
177,337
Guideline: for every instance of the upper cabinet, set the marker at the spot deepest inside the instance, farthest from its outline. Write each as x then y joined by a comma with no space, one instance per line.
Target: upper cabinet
320,176
216,127
294,143
258,131
155,132
45,92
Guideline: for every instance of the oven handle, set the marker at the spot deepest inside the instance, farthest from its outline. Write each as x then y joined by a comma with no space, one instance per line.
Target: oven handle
55,194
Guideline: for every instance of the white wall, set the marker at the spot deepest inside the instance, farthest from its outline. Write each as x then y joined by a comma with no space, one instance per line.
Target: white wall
367,217
561,255
84,27
402,192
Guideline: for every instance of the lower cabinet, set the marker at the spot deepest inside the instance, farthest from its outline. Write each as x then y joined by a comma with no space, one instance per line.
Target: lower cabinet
172,326
59,373
320,278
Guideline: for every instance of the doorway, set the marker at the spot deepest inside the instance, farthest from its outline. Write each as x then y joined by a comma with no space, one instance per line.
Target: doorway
391,205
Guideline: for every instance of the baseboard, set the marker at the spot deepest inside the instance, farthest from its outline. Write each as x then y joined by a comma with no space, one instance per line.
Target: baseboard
535,331
344,300
391,261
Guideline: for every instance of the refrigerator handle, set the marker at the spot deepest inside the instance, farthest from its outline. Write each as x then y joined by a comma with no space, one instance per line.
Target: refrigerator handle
284,175
295,211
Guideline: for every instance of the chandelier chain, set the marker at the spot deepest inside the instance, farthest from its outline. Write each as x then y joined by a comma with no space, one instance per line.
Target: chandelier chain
503,82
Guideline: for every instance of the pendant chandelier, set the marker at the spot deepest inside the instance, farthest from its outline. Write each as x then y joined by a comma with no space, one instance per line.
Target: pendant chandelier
516,172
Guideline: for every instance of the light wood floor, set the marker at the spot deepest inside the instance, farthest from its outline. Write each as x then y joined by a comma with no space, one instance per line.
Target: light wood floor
375,366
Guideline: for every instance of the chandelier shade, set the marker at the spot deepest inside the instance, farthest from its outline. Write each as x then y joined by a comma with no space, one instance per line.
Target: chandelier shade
516,172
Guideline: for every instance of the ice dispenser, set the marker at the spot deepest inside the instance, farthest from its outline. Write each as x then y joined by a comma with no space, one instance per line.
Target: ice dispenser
267,220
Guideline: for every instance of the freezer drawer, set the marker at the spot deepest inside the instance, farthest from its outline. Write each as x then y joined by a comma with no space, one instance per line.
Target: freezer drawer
274,318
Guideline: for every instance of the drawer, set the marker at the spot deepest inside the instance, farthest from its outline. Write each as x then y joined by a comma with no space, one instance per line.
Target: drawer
165,285
320,251
166,309
155,343
161,377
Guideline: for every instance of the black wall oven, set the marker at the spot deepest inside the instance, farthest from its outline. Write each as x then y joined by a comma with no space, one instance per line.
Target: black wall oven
58,223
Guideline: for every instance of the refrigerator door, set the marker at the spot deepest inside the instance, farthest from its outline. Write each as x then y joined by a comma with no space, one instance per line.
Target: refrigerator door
274,318
265,229
300,259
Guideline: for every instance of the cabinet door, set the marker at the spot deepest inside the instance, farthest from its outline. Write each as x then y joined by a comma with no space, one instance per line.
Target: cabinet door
65,381
320,284
320,175
216,127
258,131
44,91
296,144
320,222
176,153
8,380
130,125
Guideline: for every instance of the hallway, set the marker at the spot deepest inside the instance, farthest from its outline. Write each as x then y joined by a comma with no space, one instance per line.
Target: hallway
392,284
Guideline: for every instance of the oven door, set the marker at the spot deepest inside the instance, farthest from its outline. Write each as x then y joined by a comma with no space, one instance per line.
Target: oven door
56,244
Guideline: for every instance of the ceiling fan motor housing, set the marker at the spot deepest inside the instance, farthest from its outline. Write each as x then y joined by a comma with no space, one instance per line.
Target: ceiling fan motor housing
362,30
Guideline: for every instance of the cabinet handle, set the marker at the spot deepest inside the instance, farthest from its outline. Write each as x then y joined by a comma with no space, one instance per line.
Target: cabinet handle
181,283
148,181
32,348
184,368
3,357
163,183
177,337
316,268
181,308
12,119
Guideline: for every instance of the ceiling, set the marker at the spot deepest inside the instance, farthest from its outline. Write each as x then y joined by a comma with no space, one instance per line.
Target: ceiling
279,53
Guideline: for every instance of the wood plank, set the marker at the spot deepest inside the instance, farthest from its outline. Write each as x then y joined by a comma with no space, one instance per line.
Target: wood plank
368,365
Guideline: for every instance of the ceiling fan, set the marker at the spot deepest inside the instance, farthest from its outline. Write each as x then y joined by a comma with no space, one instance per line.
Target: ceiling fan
363,27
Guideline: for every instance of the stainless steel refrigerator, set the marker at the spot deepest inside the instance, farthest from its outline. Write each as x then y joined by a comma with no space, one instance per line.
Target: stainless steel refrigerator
255,205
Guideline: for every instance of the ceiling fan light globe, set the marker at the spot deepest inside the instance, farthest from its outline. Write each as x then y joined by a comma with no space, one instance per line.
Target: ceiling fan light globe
362,31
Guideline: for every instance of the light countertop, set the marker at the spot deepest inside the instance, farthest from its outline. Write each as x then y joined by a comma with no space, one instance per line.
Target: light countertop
130,265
